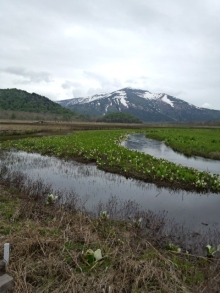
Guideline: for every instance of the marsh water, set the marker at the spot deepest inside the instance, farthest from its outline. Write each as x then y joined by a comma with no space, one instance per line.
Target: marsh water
196,211
158,149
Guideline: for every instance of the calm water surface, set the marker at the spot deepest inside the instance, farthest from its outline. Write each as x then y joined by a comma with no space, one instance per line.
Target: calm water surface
159,150
192,209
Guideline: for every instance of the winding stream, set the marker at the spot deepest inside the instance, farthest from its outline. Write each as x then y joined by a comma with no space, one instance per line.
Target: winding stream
158,149
196,211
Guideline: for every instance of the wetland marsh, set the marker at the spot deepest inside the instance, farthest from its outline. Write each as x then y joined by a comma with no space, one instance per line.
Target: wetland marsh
103,148
195,211
54,239
190,196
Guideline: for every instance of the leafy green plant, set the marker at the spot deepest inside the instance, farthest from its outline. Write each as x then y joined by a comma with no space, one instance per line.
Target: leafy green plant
172,247
137,223
104,216
211,250
91,257
51,199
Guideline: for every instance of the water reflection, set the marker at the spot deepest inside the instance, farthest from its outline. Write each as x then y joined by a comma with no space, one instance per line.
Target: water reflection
159,150
195,210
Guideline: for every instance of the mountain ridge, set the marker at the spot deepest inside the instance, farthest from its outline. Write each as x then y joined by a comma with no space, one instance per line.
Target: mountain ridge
147,106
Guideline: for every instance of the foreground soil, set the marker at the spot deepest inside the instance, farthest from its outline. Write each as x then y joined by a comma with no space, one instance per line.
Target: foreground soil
49,244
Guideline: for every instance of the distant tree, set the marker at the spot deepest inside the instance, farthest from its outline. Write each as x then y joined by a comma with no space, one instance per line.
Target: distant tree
116,117
13,116
67,117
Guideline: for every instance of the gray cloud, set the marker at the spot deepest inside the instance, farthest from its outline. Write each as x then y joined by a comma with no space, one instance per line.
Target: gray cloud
27,75
110,84
88,46
70,84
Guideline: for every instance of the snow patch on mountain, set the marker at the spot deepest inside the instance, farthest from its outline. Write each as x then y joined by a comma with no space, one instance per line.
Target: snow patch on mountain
121,98
73,101
149,96
93,98
165,99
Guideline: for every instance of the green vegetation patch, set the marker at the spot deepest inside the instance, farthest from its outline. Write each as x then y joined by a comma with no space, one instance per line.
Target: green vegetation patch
103,148
191,142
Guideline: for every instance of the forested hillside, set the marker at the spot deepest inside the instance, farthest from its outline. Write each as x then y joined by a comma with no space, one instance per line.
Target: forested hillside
19,100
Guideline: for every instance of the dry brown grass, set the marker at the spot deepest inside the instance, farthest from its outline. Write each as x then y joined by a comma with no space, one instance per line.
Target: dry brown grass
19,126
48,242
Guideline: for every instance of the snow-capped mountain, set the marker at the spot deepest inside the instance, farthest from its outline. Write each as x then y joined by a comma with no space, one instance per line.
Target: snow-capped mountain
148,107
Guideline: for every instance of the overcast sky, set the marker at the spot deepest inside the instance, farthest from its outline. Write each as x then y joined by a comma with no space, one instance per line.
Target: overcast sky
74,48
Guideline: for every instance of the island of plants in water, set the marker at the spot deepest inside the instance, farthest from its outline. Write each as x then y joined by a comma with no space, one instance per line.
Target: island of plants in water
103,147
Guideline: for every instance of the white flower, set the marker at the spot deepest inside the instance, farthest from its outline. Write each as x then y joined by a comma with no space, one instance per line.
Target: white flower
104,215
51,198
208,247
